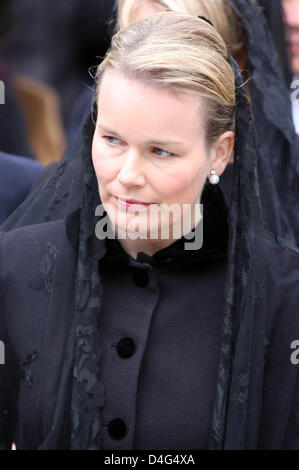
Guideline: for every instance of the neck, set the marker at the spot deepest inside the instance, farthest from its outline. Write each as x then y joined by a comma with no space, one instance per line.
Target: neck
150,247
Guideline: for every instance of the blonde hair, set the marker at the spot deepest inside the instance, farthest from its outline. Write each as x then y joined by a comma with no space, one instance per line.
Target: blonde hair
183,53
219,12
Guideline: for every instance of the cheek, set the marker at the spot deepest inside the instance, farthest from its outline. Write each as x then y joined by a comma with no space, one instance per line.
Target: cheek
295,64
186,183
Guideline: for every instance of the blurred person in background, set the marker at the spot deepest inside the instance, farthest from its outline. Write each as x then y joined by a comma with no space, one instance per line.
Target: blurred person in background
13,138
291,21
17,172
57,44
30,120
283,20
273,11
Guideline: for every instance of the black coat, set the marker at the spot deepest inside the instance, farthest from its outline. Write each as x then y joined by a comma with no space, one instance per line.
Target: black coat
35,327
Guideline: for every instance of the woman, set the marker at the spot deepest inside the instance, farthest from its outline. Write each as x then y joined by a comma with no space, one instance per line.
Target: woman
243,28
141,343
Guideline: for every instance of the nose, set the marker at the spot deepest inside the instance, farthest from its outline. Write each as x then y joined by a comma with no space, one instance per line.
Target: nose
130,173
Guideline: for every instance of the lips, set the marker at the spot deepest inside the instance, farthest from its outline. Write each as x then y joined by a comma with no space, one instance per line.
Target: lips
293,46
131,203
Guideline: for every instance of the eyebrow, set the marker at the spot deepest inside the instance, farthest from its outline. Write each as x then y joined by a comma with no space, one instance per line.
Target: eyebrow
156,142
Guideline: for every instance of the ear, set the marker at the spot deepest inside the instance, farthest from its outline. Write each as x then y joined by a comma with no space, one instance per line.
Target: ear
222,152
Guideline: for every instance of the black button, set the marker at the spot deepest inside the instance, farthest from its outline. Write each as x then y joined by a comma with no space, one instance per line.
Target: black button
140,276
126,347
117,428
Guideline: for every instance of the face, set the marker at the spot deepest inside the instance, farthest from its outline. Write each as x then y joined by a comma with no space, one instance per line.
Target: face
149,150
291,19
144,10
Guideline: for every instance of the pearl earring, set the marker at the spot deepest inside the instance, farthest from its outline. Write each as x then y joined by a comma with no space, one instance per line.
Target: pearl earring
214,178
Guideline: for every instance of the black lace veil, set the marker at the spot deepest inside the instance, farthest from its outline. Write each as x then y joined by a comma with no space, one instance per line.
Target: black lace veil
252,218
271,105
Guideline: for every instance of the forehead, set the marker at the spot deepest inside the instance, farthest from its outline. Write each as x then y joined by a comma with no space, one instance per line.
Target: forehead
136,106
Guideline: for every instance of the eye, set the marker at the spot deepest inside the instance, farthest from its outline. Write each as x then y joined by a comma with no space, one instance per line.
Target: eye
111,140
162,153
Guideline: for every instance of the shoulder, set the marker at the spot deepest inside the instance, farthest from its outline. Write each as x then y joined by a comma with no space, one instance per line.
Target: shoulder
277,261
24,250
276,275
16,178
268,245
47,171
32,235
282,254
37,279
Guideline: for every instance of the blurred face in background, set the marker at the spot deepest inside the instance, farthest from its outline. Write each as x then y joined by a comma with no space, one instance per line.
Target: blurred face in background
145,9
291,20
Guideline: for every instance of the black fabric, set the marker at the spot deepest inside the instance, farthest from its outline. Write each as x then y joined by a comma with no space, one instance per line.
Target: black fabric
274,14
277,141
168,314
47,170
261,300
40,331
6,19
